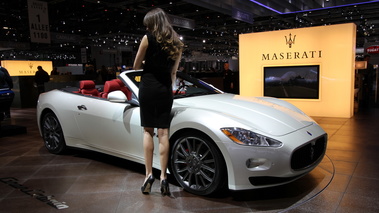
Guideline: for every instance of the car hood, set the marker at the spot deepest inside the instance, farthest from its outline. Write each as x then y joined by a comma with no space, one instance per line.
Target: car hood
262,114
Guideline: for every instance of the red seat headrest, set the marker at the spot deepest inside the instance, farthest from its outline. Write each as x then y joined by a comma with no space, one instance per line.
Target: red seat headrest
119,82
87,84
110,86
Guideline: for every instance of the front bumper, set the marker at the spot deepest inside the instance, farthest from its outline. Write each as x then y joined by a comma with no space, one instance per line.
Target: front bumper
257,167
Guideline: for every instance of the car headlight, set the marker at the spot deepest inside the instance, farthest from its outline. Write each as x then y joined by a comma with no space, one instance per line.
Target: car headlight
247,137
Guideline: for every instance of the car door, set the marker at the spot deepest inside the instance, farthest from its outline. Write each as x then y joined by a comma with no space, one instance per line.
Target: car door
110,127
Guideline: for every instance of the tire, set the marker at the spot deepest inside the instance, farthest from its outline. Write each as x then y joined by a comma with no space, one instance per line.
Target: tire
197,164
52,134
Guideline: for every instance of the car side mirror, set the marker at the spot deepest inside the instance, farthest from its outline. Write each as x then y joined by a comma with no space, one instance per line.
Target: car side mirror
117,96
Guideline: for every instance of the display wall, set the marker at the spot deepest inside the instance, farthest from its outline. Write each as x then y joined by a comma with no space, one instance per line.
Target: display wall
331,48
25,68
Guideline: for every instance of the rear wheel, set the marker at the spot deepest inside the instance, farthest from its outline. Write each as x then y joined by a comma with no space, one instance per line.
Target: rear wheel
52,134
197,164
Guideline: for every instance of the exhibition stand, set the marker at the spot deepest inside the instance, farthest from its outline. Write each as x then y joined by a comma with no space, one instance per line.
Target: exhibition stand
312,68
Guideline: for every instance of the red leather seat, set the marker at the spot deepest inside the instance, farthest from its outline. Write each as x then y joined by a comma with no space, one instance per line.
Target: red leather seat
88,87
109,86
124,89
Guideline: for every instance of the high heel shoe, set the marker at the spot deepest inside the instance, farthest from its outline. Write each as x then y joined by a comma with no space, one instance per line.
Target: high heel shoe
165,189
146,187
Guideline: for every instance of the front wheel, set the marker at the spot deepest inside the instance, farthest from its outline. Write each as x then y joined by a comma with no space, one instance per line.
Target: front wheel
52,134
197,164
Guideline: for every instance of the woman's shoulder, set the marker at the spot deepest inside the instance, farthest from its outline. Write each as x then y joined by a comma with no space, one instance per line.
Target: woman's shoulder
149,35
150,38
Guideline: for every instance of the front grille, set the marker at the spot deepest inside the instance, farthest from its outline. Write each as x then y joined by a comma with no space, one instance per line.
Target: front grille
308,154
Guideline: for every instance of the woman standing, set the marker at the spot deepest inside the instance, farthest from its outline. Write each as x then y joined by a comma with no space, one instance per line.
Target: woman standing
161,49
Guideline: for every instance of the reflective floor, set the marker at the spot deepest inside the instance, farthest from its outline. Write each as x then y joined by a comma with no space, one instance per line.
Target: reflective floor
33,180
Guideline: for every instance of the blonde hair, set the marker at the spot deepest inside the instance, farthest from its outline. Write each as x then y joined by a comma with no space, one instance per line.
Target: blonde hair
158,24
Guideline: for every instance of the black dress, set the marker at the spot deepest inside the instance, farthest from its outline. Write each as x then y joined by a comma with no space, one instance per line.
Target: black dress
155,89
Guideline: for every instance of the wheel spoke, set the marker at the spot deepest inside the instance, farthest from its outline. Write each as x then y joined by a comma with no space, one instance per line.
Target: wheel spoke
206,176
51,122
188,146
201,177
205,167
190,179
205,154
197,185
209,161
186,175
198,149
184,152
180,162
46,125
182,170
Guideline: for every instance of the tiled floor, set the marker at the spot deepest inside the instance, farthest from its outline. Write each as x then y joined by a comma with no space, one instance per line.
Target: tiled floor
346,180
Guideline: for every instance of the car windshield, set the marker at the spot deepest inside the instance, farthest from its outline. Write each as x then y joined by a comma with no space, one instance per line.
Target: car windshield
185,85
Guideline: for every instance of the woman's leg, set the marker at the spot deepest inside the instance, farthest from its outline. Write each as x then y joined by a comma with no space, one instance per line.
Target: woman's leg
164,148
148,147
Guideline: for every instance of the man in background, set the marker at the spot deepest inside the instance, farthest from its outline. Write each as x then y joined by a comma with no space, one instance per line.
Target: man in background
227,79
40,78
367,81
6,93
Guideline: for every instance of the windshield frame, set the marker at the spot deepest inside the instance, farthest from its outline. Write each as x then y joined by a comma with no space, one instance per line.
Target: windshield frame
202,87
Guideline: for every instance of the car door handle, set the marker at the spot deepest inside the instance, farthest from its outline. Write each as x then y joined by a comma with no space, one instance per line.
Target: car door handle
82,107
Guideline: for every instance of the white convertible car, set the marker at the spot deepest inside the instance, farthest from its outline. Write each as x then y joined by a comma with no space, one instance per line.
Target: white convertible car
217,140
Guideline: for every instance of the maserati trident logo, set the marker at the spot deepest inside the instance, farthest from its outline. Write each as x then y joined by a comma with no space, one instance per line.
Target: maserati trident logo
290,40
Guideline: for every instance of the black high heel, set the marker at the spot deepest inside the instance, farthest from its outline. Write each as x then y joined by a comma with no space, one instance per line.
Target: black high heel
146,187
165,189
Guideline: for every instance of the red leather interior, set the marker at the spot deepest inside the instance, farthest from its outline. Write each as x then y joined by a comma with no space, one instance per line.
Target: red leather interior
124,89
109,86
88,87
